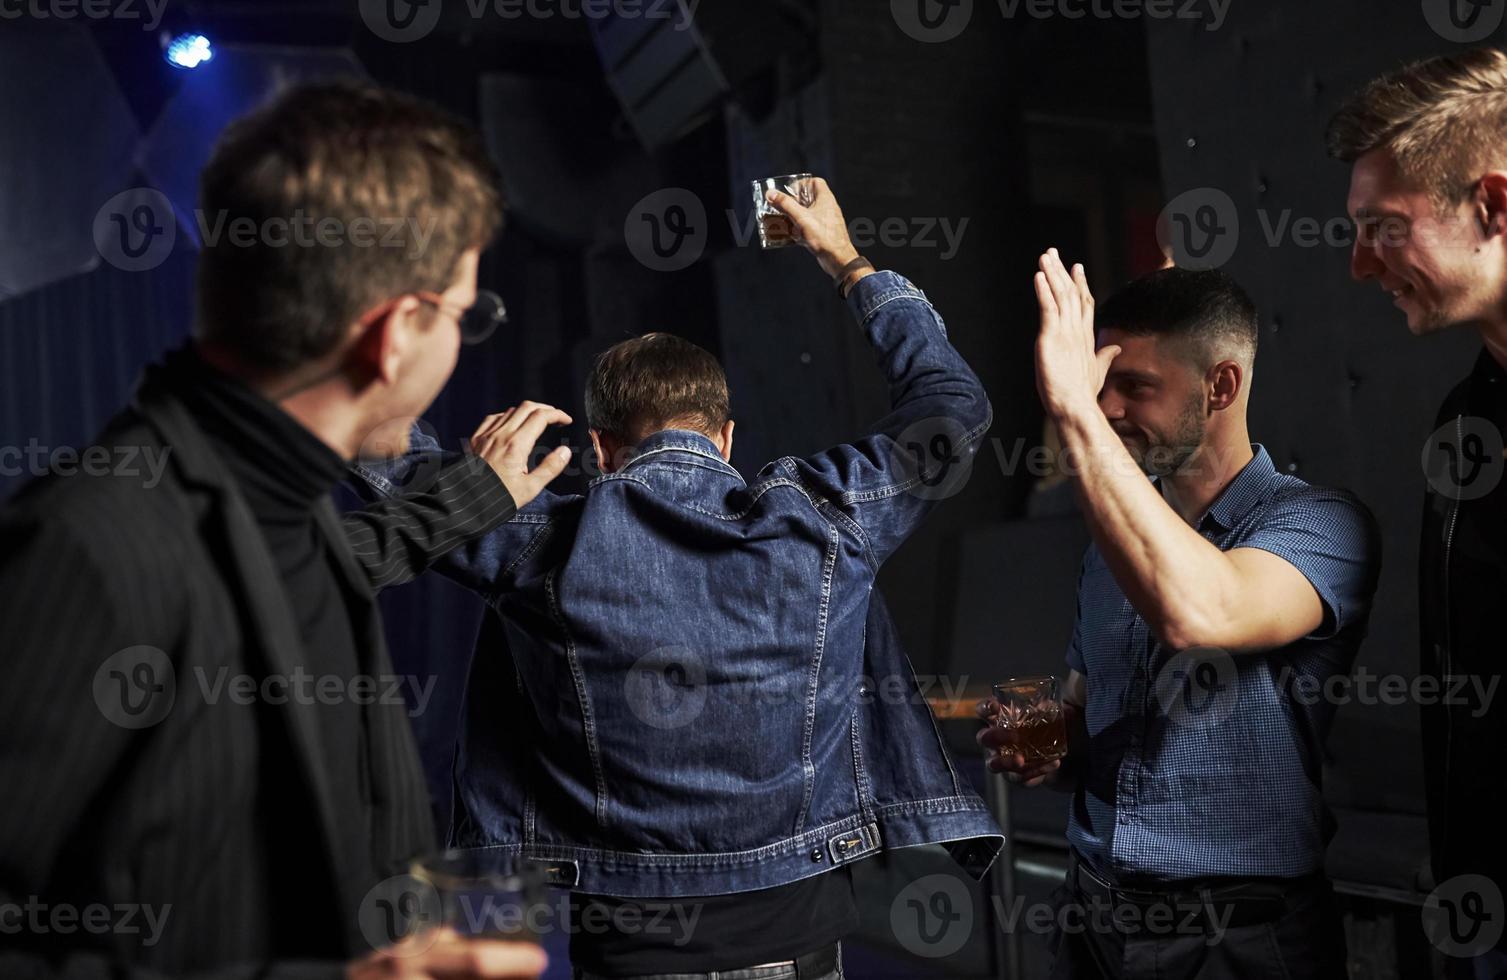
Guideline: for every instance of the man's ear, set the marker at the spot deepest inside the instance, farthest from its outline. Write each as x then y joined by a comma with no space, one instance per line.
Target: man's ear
725,443
1225,379
1491,203
606,449
384,341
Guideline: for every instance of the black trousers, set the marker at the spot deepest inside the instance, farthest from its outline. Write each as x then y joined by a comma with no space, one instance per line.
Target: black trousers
1099,938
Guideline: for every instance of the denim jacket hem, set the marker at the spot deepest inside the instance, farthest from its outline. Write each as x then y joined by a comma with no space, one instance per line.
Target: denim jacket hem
961,824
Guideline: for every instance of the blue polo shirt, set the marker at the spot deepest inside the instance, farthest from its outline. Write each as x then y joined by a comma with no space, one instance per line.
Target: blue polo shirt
1204,764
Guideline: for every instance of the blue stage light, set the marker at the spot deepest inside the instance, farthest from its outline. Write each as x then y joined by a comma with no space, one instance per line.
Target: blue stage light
188,51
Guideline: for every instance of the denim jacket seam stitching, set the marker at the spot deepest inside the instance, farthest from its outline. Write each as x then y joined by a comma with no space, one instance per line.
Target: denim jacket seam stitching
860,775
957,803
494,595
725,466
813,676
375,480
687,463
824,507
936,730
628,477
788,847
896,291
588,721
970,438
665,463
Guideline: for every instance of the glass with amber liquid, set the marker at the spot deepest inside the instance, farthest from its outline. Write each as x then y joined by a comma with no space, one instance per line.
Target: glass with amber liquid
775,230
1030,710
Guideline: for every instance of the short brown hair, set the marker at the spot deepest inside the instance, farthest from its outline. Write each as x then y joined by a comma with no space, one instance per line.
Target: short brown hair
403,188
656,382
1444,120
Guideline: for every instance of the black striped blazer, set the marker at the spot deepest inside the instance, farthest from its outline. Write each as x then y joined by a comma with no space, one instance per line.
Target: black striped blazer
158,825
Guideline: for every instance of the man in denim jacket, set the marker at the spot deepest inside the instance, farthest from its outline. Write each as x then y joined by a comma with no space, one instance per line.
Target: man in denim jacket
672,702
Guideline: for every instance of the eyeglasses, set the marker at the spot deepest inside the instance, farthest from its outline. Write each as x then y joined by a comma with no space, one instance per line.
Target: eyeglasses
477,322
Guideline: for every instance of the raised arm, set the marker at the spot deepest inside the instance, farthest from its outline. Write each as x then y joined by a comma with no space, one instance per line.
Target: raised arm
1308,572
921,451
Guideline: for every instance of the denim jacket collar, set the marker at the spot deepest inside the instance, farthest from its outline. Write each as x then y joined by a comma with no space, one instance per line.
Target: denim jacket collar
670,443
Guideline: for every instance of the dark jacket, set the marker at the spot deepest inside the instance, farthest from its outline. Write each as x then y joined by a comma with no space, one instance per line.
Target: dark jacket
1462,580
697,695
137,785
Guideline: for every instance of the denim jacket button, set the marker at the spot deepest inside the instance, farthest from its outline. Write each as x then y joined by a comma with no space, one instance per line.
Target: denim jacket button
816,854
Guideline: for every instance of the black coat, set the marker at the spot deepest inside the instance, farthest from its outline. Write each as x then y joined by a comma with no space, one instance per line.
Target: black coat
216,816
1462,581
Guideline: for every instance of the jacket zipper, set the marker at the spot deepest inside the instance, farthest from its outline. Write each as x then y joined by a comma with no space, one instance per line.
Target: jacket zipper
1448,615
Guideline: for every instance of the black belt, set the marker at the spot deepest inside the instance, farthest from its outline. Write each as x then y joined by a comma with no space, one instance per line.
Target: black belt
1228,902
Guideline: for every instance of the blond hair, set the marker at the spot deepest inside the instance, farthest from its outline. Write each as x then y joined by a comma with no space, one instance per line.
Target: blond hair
1444,121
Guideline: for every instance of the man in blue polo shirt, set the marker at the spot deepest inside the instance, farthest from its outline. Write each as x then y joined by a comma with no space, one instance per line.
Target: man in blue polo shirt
1216,598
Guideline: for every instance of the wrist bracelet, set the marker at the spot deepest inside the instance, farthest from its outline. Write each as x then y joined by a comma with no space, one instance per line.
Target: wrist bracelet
841,279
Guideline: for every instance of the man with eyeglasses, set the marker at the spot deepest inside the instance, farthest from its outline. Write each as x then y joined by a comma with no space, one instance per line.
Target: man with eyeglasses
160,636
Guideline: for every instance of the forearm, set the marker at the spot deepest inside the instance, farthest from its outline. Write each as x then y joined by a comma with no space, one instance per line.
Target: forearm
1176,579
397,539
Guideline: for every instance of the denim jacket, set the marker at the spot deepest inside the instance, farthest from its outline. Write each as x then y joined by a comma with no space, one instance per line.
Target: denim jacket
690,686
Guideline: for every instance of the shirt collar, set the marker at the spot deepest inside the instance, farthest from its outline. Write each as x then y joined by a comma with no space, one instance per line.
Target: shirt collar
678,441
1250,486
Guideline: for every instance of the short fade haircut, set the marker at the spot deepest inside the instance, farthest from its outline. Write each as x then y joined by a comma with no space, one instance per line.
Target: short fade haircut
1206,308
408,187
1444,120
656,382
